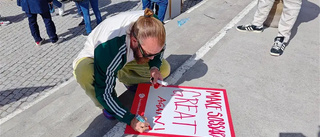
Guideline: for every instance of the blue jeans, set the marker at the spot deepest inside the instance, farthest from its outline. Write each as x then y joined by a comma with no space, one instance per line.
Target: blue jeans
79,9
34,28
95,7
84,5
162,7
57,3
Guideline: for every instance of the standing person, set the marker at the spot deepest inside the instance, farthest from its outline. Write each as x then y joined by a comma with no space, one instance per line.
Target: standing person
84,5
128,46
162,7
34,7
60,6
288,17
79,14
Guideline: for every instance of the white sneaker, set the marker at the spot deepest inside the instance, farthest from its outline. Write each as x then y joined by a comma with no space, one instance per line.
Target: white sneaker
4,23
40,42
61,9
53,14
60,39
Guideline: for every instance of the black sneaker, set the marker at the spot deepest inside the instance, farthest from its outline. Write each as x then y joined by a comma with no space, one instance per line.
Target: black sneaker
84,34
249,28
81,23
278,46
60,39
38,43
108,115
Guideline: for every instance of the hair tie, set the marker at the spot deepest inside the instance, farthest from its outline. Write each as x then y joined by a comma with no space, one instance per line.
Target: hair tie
147,16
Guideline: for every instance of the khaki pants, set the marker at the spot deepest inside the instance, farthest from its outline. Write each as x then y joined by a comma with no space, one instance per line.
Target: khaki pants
291,9
131,73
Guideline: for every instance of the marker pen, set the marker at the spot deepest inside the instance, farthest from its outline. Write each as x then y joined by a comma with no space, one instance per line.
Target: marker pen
162,82
139,118
159,82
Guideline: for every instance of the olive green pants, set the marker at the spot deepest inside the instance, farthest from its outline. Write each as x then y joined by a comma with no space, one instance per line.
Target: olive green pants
132,73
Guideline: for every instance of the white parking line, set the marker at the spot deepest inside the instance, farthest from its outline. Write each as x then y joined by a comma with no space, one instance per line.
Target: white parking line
118,130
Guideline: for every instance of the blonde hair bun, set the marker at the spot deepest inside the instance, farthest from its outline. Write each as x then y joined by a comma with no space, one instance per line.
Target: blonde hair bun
148,12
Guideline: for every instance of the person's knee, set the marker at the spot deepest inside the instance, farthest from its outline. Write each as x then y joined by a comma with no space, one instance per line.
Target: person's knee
165,68
80,75
84,72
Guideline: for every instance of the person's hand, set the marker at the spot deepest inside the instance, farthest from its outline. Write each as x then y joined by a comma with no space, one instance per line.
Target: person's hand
138,125
155,75
51,3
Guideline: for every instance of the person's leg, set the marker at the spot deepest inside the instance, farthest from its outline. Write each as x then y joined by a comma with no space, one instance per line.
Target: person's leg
95,7
57,3
156,8
84,74
84,5
50,27
133,73
162,8
60,6
291,9
79,12
146,4
288,17
263,9
34,28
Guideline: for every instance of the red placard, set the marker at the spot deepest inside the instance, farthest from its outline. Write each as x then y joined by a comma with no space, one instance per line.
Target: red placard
180,111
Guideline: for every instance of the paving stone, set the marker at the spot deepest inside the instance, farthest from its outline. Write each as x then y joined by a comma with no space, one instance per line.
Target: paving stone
23,99
16,104
11,109
30,98
10,96
24,104
1,86
4,101
3,114
18,96
23,91
5,107
12,100
2,97
28,93
6,93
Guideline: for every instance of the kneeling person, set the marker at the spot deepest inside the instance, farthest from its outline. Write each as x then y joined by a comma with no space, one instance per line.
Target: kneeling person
128,46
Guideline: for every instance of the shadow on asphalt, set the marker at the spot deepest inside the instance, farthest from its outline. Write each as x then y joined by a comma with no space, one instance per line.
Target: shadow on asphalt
20,93
176,61
308,12
291,135
187,4
101,125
